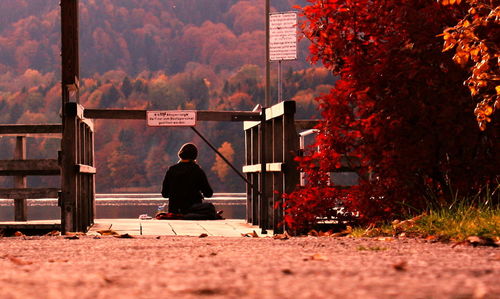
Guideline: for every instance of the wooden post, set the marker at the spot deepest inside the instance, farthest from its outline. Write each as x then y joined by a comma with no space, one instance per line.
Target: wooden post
69,50
255,176
68,172
70,74
263,183
92,177
248,161
290,147
20,205
278,179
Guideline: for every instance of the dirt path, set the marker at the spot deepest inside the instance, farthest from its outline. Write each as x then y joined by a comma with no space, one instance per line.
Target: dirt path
218,267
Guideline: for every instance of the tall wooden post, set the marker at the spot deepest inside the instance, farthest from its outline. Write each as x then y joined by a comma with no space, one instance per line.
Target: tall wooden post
263,182
20,181
70,84
69,51
290,147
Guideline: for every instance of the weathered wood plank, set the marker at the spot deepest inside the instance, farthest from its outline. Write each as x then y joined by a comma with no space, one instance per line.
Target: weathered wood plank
270,167
80,168
21,129
29,167
280,109
250,124
28,193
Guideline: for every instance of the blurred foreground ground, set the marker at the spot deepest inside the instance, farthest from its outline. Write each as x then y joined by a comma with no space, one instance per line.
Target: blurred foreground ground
242,267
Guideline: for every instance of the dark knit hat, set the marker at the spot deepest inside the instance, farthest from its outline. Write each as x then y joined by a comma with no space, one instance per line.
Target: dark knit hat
188,152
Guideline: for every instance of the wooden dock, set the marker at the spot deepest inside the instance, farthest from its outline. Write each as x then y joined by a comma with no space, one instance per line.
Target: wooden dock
35,225
153,227
222,228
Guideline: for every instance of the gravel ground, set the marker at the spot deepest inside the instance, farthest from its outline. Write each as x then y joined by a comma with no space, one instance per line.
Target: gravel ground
222,267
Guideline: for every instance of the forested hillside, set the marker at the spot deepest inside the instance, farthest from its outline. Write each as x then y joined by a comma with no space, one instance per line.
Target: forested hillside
159,54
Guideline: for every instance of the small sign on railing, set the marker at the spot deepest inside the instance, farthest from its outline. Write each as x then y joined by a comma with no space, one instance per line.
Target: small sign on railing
171,118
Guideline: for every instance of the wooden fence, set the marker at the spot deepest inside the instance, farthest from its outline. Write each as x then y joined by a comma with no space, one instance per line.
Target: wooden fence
20,167
271,146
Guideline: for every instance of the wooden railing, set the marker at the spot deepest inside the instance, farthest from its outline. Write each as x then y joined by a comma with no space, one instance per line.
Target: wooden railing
271,146
78,170
20,167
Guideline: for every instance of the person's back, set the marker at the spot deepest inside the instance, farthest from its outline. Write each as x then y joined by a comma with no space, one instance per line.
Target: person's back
185,183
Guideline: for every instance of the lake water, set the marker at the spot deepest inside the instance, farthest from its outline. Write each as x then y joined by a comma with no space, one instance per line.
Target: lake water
123,206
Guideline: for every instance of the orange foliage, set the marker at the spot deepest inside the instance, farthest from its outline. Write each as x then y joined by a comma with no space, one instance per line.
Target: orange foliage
476,40
220,167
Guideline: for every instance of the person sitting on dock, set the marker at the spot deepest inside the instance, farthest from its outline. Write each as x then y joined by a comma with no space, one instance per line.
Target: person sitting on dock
185,185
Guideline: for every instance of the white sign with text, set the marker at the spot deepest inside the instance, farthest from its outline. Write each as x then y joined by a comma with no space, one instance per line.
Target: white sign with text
171,118
283,36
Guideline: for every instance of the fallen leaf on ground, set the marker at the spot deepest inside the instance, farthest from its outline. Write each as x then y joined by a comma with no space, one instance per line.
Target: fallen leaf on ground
343,233
75,233
386,239
54,261
53,233
399,226
431,238
19,262
283,236
107,232
287,271
203,235
400,266
465,243
325,234
124,236
317,257
313,233
251,235
481,241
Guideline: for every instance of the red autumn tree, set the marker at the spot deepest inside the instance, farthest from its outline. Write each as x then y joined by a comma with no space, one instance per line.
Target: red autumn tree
399,113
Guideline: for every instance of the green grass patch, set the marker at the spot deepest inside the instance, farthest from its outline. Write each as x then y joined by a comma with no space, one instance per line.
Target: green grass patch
459,223
477,215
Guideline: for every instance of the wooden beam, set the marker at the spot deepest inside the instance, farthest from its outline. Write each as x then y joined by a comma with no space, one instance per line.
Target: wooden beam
306,124
80,168
21,129
202,115
29,167
227,115
28,193
114,114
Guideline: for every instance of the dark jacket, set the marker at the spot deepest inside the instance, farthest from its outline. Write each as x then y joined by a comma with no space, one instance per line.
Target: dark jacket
185,184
